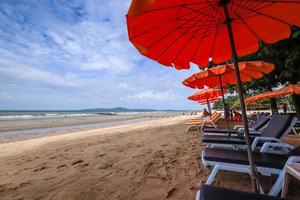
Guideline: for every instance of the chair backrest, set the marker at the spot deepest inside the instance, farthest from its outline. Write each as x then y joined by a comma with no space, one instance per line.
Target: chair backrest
278,125
294,152
259,123
212,115
216,117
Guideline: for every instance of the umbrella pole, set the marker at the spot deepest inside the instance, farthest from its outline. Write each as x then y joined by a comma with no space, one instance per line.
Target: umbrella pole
242,103
208,106
226,117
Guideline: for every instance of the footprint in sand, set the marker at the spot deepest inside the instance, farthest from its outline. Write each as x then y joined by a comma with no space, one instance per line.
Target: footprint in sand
40,169
24,184
77,162
61,166
101,155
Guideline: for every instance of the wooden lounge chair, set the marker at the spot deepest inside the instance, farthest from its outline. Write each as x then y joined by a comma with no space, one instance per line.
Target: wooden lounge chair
202,118
237,161
278,126
254,127
208,192
206,122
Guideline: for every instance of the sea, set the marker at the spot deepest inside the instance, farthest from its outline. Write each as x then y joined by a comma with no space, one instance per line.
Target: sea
19,124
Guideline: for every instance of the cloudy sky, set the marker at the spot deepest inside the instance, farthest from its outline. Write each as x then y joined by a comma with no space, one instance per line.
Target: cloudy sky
71,55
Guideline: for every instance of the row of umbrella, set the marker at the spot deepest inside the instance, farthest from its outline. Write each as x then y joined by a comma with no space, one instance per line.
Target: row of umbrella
179,32
223,75
288,90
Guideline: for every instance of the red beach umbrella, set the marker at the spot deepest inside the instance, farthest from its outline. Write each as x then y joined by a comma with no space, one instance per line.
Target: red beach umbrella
177,32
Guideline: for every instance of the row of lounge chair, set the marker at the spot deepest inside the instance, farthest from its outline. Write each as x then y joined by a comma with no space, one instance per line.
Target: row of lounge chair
199,124
229,154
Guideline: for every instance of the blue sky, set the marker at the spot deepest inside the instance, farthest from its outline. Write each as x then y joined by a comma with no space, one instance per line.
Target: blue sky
75,54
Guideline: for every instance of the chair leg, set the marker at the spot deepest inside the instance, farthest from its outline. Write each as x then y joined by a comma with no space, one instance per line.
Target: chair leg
187,129
214,124
212,175
274,191
198,195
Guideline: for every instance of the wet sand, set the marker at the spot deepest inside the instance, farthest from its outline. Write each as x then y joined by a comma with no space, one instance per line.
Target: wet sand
138,161
23,129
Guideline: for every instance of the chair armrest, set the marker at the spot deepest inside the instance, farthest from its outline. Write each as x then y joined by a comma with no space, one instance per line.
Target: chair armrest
265,139
293,159
268,145
238,126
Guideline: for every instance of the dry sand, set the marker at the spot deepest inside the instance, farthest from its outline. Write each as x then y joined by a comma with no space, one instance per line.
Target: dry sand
145,160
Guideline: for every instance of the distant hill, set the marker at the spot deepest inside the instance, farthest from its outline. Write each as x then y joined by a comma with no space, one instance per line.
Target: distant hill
121,109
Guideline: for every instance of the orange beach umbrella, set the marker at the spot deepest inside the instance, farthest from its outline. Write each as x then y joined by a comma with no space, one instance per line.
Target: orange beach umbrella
290,89
206,95
178,32
223,75
258,97
213,100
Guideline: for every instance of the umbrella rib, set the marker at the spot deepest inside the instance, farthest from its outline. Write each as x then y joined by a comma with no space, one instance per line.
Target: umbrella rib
157,26
214,40
179,53
167,34
250,29
198,45
213,7
197,11
276,1
173,7
240,5
174,41
246,13
269,16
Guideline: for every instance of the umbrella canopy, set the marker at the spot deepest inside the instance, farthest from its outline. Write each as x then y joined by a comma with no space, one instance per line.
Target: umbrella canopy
223,75
206,94
258,97
213,100
290,89
177,32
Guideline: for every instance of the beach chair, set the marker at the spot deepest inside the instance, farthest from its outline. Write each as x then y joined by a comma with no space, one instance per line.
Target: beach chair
266,163
201,123
254,128
208,192
203,118
296,128
278,126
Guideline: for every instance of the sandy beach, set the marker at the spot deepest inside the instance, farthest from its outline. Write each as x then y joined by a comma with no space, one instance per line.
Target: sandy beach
146,160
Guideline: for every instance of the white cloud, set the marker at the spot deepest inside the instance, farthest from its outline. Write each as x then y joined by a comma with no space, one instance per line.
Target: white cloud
152,96
33,74
5,95
77,55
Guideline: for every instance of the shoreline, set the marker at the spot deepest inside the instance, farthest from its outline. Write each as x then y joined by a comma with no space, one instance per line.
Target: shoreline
21,145
15,130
